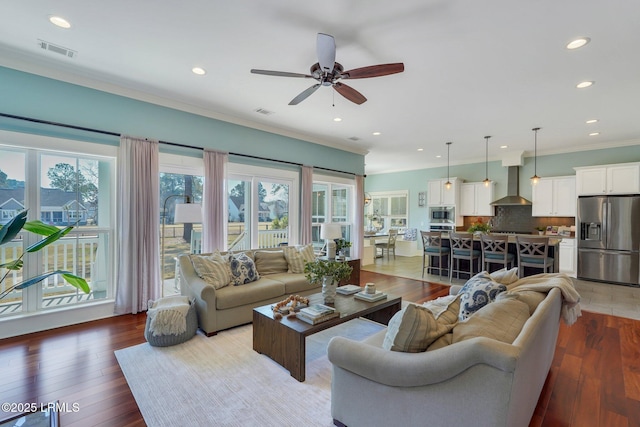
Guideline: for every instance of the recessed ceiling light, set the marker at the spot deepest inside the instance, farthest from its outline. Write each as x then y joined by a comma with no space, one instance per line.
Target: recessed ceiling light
438,156
337,119
577,43
199,71
504,146
582,85
594,134
376,133
420,149
591,121
59,22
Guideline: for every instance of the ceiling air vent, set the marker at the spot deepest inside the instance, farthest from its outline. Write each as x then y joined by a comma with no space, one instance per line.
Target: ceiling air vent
57,49
263,111
354,138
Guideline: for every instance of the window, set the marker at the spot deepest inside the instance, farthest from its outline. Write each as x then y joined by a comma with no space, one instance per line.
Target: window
335,196
60,189
262,209
387,210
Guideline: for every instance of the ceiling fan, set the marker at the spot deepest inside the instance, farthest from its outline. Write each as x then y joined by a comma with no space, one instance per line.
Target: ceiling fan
328,72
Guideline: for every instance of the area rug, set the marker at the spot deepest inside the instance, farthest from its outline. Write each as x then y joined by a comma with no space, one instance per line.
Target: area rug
221,381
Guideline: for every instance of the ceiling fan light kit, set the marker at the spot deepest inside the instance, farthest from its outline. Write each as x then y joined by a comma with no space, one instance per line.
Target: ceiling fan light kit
327,72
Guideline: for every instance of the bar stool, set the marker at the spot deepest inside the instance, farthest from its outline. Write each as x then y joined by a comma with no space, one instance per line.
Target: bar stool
432,247
532,252
462,249
495,251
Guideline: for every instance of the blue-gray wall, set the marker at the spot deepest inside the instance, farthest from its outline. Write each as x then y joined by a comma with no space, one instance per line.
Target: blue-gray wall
553,165
29,95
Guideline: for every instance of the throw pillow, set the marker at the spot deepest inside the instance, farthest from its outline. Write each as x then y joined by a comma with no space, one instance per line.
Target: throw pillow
502,320
412,329
504,276
479,291
242,269
270,262
298,256
444,309
213,269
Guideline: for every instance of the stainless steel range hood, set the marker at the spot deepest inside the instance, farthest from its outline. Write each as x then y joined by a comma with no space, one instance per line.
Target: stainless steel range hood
513,197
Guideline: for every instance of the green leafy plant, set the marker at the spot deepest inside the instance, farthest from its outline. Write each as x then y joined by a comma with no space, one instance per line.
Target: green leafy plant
342,244
51,234
316,270
479,226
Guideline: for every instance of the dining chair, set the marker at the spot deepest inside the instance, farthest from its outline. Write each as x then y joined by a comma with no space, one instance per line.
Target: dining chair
495,250
533,252
432,247
390,245
462,249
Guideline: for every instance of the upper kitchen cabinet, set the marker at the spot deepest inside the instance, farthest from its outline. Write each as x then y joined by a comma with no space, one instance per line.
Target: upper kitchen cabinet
438,195
609,179
554,196
475,199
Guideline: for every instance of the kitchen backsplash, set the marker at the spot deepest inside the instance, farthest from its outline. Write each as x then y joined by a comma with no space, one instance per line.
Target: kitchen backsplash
518,218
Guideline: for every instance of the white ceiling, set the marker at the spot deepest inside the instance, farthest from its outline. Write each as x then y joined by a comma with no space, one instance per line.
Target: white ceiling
472,68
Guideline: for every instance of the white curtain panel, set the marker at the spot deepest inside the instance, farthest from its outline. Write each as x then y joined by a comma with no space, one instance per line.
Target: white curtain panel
138,214
305,208
214,232
357,239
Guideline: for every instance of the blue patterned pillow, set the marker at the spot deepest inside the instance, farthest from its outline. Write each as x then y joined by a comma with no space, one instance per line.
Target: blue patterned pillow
479,291
242,269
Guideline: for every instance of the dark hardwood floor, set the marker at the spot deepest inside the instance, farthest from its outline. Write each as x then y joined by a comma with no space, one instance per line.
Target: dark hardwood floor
594,380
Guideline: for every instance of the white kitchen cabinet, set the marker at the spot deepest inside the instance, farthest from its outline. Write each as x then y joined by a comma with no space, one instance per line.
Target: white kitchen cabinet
438,195
568,252
609,179
475,199
555,196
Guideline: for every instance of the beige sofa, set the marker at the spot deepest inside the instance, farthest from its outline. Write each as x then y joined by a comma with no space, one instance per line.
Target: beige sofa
231,306
479,381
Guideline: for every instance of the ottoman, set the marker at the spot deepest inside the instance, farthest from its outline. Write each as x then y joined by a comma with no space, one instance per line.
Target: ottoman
165,340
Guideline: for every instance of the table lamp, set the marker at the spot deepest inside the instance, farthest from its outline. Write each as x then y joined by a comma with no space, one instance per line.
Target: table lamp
330,232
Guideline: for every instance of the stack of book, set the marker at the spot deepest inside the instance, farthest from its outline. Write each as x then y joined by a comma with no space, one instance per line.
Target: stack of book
317,313
379,295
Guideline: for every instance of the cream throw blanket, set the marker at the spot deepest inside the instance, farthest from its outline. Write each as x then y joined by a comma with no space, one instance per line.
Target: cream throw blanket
168,315
547,281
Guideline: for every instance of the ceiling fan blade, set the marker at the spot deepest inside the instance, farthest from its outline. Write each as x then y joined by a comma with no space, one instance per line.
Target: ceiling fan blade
280,73
304,94
326,50
350,93
374,71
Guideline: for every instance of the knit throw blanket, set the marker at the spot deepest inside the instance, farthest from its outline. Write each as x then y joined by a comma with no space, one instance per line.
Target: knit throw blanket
168,315
547,281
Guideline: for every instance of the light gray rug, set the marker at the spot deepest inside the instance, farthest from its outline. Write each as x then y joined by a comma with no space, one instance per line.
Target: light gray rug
221,381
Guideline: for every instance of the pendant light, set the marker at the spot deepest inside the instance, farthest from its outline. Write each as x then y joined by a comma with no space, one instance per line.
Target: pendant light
447,184
535,178
486,181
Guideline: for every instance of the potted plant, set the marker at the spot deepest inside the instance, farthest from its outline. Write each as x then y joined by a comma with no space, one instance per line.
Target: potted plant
11,229
341,245
329,273
540,230
479,227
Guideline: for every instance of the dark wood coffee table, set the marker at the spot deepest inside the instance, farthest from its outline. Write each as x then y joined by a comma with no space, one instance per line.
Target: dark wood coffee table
284,340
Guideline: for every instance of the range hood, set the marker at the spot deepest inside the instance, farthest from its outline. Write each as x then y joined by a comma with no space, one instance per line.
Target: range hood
513,197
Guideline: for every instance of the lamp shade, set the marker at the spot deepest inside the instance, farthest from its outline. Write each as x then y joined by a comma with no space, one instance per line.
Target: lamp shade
330,231
190,213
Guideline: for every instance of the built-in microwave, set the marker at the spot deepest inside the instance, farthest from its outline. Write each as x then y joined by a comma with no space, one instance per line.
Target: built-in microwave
442,215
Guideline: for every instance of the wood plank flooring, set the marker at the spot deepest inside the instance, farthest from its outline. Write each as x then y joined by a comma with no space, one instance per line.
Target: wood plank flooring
594,379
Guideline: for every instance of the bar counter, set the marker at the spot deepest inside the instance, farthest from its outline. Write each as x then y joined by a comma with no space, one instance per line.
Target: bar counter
553,252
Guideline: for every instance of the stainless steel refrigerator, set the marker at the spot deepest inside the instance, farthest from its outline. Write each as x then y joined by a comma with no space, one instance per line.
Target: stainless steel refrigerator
609,239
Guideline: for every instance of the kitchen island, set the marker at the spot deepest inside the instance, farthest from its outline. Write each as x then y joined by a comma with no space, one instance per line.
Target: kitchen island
553,252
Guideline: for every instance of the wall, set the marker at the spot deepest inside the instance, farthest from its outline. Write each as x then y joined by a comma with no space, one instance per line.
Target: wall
554,165
42,98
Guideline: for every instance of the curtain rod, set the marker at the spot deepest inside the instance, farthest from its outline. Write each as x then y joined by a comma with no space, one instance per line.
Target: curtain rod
174,144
